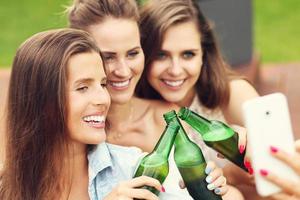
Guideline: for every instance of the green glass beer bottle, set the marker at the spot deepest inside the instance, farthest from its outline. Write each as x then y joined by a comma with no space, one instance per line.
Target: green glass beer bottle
216,135
156,163
190,162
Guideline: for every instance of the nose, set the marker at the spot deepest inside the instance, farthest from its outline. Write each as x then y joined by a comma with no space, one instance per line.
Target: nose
101,97
122,69
175,68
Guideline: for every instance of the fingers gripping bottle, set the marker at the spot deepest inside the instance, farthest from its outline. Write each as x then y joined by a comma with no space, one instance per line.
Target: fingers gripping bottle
190,162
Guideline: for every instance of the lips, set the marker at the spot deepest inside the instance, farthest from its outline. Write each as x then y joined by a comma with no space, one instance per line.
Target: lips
95,121
173,83
120,84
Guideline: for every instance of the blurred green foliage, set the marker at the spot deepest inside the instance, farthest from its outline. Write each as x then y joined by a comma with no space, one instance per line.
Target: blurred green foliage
276,26
19,19
277,30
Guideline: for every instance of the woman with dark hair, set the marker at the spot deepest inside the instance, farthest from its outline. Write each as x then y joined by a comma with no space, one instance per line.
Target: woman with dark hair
57,106
184,66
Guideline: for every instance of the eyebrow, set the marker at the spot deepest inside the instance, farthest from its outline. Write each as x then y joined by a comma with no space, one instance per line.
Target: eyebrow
83,80
183,50
114,53
88,80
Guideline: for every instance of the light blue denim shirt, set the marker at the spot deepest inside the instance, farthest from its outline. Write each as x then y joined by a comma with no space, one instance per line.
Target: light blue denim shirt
109,164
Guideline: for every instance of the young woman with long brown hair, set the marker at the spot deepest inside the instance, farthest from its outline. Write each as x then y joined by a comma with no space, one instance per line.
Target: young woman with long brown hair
183,65
57,106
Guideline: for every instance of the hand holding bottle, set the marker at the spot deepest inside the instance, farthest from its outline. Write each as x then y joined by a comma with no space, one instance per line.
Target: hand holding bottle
291,190
131,189
215,179
242,144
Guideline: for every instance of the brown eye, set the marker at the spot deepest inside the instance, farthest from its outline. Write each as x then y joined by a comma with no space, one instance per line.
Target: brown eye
188,54
82,89
132,54
161,55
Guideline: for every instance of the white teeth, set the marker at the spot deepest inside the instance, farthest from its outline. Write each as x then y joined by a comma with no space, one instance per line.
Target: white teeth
173,83
120,84
94,118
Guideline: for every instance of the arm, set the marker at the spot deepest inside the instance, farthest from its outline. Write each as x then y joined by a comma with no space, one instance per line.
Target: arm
240,91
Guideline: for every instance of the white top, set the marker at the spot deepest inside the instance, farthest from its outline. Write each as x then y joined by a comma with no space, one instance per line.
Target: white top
216,114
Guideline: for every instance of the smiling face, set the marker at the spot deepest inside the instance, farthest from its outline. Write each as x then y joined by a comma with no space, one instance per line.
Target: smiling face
88,99
119,42
176,68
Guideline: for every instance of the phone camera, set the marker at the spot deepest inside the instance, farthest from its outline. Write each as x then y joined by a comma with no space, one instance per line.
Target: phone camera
268,113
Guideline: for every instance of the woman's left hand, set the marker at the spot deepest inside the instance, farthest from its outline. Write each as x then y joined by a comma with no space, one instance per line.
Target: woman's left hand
215,179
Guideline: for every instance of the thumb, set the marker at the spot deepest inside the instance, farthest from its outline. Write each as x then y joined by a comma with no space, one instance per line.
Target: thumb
181,184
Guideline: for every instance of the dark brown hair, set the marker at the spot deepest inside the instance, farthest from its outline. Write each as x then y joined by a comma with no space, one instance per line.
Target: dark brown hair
37,115
84,13
156,17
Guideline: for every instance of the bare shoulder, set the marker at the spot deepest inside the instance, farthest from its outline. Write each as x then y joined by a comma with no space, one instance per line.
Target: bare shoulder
242,88
240,91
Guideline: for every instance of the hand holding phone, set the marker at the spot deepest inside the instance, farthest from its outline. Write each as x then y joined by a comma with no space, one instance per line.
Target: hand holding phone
268,124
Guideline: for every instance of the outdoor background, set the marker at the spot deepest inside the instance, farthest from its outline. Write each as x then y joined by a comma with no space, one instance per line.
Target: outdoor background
276,45
276,28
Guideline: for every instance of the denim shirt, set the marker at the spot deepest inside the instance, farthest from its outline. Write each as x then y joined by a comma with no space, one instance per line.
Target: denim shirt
109,164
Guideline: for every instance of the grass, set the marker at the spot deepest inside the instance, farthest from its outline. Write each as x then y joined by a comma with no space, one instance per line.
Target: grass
21,19
277,30
276,26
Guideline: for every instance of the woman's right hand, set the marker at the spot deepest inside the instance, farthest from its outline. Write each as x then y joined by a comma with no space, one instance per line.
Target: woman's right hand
290,189
128,190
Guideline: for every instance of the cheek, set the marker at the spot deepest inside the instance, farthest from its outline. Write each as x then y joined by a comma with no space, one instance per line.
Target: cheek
195,67
138,65
108,68
155,71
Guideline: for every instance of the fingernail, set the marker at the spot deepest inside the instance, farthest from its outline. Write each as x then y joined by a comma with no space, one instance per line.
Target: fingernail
247,164
211,186
217,190
273,149
242,149
263,172
163,189
207,170
208,179
250,170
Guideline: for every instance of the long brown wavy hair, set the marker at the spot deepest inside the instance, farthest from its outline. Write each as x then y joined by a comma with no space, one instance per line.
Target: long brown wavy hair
157,16
37,136
84,13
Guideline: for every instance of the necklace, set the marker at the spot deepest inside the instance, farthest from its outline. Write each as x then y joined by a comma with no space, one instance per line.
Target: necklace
119,135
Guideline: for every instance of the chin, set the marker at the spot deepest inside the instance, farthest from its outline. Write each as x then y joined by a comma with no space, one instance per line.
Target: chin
121,99
97,140
172,98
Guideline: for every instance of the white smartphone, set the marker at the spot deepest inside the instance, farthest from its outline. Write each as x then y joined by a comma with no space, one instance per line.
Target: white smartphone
268,124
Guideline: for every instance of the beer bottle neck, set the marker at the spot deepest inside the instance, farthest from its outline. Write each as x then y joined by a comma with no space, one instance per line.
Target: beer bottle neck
166,141
196,121
181,138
